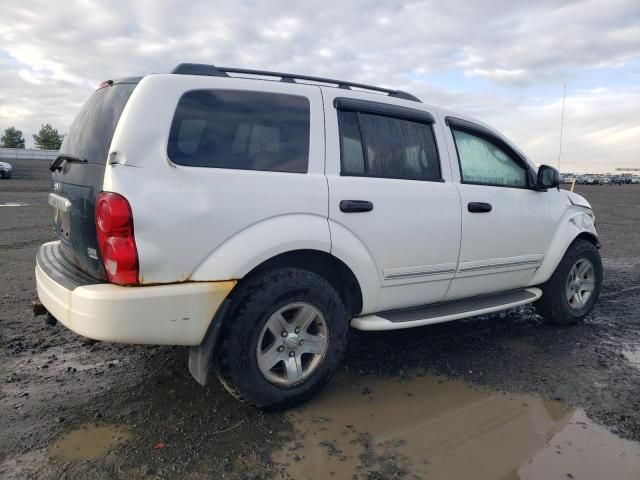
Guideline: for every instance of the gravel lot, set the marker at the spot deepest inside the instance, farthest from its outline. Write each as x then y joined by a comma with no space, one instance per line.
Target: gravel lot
134,411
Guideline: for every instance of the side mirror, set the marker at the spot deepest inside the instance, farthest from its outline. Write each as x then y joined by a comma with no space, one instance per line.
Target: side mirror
548,177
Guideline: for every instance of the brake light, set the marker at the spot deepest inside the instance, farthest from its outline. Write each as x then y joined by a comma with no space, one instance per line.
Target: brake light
114,226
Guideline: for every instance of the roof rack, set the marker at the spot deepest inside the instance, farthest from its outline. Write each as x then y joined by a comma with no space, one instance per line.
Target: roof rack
213,71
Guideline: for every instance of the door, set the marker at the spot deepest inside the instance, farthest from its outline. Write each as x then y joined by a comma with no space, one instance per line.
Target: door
390,195
505,222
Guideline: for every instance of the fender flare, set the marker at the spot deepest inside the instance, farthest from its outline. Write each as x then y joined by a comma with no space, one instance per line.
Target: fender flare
257,243
348,248
575,222
271,237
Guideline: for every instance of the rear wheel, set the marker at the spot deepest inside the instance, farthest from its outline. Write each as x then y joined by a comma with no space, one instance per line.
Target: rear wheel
292,344
285,336
571,292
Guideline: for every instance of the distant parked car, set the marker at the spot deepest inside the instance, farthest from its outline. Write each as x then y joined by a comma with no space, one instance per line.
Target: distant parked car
5,170
617,180
635,179
599,180
591,180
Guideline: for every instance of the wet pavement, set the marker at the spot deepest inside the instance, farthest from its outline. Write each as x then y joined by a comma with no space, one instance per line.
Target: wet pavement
432,427
502,396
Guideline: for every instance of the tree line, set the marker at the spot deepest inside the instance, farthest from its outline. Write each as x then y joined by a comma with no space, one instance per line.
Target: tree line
47,138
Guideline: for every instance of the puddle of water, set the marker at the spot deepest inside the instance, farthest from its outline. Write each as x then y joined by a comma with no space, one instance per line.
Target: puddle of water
14,204
632,356
88,442
430,427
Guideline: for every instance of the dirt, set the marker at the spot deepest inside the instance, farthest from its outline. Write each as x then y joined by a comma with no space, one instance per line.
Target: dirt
410,403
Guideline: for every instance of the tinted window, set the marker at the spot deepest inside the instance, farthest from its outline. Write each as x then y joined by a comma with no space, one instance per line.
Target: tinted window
351,144
484,162
239,129
387,147
92,130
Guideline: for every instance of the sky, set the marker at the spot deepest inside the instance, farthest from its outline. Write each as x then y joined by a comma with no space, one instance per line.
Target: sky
504,62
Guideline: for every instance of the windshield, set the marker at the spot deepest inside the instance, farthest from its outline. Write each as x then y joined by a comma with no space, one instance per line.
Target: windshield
91,132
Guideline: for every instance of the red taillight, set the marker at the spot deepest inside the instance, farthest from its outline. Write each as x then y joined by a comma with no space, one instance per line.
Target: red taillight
114,226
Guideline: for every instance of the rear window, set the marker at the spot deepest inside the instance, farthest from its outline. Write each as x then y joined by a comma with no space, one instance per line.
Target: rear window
241,130
92,130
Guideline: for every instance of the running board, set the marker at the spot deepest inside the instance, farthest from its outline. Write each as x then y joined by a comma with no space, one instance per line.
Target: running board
446,311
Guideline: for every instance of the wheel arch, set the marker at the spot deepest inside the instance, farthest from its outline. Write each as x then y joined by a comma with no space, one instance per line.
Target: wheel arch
577,223
589,237
332,269
329,267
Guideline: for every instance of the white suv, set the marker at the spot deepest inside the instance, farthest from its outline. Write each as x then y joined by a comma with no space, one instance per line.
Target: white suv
254,216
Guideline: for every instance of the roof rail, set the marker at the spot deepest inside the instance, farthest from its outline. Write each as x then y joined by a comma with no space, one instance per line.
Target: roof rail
213,71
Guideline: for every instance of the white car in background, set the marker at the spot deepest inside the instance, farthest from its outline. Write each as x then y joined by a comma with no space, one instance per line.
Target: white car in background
5,170
255,219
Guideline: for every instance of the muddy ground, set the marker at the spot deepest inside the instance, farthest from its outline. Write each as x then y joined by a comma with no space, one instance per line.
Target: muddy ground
406,404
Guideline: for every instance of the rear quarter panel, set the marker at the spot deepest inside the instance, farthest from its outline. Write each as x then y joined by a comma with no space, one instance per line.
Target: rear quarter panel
197,223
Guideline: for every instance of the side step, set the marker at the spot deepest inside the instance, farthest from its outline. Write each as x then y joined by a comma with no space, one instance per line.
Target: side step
446,311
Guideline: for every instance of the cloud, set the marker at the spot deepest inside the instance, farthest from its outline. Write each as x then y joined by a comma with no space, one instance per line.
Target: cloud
601,127
512,58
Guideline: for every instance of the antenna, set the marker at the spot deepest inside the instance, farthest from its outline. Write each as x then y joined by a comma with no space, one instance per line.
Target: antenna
564,96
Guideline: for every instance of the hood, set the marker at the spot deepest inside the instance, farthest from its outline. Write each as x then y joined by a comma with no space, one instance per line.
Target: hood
5,165
579,200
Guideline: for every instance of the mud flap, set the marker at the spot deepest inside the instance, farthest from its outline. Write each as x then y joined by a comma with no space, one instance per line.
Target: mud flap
200,356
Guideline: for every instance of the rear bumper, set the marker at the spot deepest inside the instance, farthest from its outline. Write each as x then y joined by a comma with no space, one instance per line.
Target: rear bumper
175,314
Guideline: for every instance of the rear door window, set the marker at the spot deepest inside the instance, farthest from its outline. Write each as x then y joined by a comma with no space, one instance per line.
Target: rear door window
241,130
382,146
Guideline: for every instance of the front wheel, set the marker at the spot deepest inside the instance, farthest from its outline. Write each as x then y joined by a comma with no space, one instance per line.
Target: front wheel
285,336
571,292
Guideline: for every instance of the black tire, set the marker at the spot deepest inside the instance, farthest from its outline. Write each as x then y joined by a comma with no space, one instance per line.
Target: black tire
554,306
254,301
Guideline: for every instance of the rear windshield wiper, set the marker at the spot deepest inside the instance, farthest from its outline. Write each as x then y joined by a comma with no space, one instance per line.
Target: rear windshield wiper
57,163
